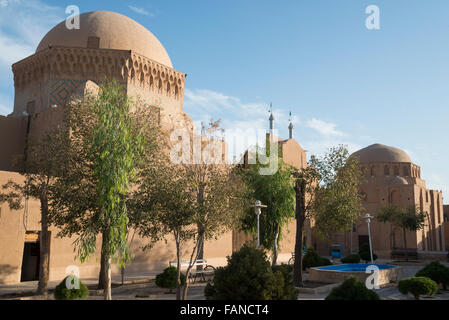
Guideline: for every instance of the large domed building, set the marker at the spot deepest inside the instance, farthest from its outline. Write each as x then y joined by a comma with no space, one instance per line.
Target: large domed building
391,178
107,45
67,64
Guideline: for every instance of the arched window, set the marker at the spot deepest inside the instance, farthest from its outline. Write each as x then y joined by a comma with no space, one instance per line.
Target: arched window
406,171
387,170
373,171
396,170
395,197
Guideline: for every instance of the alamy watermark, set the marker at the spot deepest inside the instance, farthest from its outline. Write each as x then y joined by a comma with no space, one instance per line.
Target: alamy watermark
372,281
73,279
198,149
372,22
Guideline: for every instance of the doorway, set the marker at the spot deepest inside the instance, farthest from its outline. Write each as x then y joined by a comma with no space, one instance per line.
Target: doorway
363,240
31,257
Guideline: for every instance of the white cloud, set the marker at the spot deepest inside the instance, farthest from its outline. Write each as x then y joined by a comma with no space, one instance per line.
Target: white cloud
325,128
245,123
438,182
13,50
22,26
141,11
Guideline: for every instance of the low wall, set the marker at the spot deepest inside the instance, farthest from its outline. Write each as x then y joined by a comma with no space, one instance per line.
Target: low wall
433,255
386,276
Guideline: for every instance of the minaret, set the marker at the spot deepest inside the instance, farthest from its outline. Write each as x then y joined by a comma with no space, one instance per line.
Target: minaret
271,119
290,127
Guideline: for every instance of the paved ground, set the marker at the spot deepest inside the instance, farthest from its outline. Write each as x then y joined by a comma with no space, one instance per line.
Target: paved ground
143,286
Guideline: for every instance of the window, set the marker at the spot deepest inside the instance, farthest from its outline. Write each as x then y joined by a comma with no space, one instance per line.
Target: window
93,42
396,170
387,170
406,171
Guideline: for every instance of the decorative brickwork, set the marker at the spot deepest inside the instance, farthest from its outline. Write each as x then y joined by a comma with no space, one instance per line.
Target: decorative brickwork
65,68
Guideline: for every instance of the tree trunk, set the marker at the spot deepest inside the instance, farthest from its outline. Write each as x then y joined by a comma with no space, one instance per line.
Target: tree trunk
103,261
44,263
122,271
185,288
192,261
178,265
275,247
300,218
200,249
107,265
405,243
107,279
200,199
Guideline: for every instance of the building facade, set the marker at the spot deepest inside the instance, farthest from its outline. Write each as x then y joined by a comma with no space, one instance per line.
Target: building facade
391,178
67,65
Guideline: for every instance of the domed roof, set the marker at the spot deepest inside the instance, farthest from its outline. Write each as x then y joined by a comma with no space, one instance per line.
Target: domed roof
381,153
395,180
115,31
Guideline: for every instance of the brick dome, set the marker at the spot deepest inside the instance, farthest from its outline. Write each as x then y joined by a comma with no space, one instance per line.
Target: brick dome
381,153
107,30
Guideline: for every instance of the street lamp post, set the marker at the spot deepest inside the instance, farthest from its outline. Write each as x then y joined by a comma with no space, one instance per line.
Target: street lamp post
368,220
257,210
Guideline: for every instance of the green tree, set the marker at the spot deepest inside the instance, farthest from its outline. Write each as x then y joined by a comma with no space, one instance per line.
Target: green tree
168,279
418,286
352,289
326,193
62,291
276,192
193,202
436,271
408,219
106,145
41,164
248,276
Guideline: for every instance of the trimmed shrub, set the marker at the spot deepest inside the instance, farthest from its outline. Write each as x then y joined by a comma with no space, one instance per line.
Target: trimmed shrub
168,279
437,272
312,259
289,292
418,286
63,293
352,289
364,252
352,258
247,276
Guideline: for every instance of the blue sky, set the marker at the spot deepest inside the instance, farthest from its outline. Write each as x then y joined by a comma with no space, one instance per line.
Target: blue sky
342,82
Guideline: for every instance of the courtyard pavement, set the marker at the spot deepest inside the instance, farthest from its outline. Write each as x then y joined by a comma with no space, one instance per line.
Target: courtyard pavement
144,287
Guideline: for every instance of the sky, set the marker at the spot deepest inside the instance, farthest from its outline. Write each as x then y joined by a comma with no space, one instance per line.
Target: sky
343,83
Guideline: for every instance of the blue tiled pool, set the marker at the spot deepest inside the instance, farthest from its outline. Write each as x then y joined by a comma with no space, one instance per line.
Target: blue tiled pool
354,267
340,272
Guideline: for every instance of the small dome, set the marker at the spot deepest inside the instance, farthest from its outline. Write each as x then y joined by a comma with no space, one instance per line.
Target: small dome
395,180
381,153
114,30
